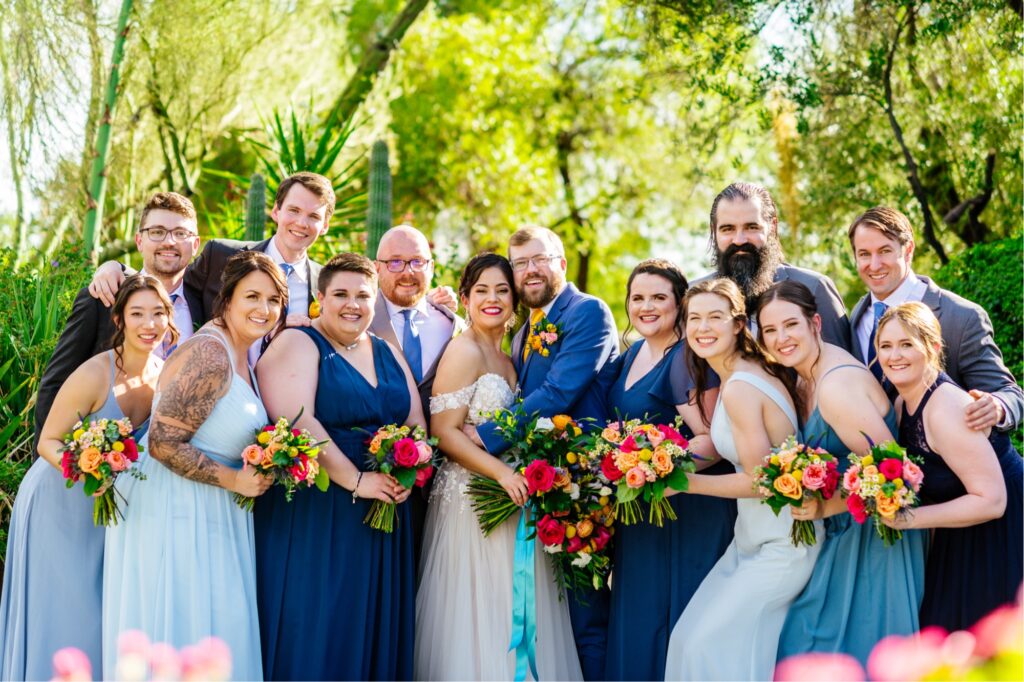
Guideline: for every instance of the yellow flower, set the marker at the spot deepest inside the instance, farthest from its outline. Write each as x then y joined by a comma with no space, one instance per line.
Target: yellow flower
798,475
571,458
898,482
118,446
576,430
774,460
263,438
603,500
570,531
375,444
78,433
314,309
867,460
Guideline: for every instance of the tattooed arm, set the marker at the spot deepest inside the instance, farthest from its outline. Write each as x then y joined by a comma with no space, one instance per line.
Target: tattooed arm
198,375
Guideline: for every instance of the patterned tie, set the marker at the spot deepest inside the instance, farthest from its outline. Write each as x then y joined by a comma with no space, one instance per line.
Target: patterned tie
536,316
411,345
168,347
879,309
287,269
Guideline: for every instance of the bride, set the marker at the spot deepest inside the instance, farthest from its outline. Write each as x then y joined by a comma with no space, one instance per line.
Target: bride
464,599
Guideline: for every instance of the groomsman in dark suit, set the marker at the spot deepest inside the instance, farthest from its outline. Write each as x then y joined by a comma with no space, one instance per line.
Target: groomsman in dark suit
572,378
167,238
745,245
883,245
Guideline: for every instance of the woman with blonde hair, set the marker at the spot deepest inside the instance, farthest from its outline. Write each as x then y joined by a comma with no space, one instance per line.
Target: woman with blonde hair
971,492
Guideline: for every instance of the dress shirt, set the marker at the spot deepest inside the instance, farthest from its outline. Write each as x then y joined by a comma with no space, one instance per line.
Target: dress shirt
434,327
911,289
298,280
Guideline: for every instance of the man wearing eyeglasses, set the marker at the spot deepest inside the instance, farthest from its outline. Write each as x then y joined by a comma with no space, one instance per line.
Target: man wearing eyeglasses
167,239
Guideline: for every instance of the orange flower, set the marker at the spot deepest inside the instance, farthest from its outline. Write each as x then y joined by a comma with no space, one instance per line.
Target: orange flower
887,506
89,461
789,486
562,479
561,421
252,454
662,462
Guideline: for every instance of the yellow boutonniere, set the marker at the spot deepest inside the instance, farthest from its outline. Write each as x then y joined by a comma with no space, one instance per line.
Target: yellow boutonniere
314,310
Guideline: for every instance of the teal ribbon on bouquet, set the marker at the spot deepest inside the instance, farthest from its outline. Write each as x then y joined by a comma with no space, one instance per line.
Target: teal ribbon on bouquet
524,604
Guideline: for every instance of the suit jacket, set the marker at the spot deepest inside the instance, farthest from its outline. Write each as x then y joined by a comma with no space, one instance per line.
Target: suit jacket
382,327
204,273
578,370
87,332
973,360
835,326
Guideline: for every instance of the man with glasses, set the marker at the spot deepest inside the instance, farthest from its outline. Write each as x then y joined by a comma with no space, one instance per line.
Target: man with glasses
167,238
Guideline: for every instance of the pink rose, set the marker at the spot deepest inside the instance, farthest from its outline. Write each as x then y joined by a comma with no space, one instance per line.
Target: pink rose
674,436
857,509
406,454
426,452
117,461
851,479
608,468
575,544
423,475
912,475
891,468
540,476
70,663
252,454
300,469
131,449
67,464
655,436
629,444
601,537
636,477
814,477
550,531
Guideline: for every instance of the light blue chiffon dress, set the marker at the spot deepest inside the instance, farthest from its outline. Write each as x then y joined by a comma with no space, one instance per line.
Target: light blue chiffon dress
54,569
181,566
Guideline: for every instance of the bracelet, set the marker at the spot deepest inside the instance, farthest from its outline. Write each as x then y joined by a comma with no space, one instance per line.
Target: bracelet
355,490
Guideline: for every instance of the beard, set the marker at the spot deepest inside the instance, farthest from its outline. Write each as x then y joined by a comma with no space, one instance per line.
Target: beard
406,298
753,269
539,299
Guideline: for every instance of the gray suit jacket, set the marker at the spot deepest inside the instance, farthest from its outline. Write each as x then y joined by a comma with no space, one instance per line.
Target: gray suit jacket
835,327
973,360
382,327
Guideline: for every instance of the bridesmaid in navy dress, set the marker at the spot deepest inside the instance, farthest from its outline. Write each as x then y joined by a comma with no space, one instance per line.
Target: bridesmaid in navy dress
336,597
657,570
972,484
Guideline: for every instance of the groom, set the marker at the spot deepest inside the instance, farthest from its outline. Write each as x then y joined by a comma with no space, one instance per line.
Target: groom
571,378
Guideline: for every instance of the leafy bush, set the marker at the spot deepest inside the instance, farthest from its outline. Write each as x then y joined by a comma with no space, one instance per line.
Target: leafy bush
34,303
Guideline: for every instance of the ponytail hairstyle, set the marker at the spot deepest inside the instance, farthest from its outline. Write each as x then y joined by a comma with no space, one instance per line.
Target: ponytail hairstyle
747,346
129,288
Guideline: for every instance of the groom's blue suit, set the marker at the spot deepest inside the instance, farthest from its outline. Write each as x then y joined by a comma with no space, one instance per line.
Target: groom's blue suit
573,380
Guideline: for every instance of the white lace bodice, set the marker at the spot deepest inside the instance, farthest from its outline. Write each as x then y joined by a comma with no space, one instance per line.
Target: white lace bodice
484,396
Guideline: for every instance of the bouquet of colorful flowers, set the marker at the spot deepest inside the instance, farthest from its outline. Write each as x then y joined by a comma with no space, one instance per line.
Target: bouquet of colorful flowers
792,473
96,452
286,455
882,484
404,453
642,460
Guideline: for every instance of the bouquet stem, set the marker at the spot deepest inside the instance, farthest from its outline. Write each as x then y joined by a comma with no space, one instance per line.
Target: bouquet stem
246,503
104,509
803,533
381,516
659,510
628,513
890,536
491,503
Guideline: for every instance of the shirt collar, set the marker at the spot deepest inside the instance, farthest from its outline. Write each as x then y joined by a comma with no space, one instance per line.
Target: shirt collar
298,267
177,292
420,307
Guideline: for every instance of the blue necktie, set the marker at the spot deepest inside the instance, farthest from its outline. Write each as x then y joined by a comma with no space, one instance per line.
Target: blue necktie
287,269
879,309
411,346
168,347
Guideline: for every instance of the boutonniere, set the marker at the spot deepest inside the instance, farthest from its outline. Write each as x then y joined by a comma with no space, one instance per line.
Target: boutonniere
314,309
543,335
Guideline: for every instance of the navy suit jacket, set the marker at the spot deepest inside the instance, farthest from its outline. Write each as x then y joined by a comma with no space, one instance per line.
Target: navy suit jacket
578,370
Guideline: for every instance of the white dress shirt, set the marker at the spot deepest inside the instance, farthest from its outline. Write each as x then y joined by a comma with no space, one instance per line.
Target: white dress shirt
298,292
911,289
433,326
182,316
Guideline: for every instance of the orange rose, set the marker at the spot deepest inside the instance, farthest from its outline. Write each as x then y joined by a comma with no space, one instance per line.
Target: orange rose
252,454
788,486
661,460
585,528
887,506
561,421
562,479
375,444
611,434
90,460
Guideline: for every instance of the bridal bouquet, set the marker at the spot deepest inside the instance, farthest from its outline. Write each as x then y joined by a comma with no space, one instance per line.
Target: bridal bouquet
792,473
286,455
642,460
882,484
404,453
96,452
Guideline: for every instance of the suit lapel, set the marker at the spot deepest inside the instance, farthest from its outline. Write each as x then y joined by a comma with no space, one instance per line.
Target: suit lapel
381,325
858,311
553,316
932,297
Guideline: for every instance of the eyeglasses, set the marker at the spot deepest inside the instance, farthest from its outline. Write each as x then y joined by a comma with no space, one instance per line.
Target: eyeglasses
541,261
399,265
159,234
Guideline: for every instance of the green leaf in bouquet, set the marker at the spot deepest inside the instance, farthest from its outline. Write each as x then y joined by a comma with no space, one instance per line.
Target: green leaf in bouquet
92,484
623,493
777,504
406,477
677,480
322,480
281,458
656,489
385,467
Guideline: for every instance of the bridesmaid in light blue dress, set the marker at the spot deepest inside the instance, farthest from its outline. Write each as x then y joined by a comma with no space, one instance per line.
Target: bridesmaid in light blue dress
181,566
861,590
730,629
52,582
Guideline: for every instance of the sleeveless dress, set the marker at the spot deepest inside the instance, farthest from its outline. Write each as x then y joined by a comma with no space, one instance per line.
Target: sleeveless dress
44,608
861,590
730,629
657,570
336,597
464,596
180,566
971,570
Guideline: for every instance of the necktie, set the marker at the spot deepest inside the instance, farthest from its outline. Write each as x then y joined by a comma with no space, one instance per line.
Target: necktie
168,347
411,345
287,269
535,316
878,309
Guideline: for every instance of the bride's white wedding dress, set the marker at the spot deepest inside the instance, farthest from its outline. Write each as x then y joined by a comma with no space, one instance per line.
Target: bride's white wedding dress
464,598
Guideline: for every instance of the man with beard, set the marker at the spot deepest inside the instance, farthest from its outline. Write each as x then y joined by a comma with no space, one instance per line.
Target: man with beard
569,376
745,243
167,238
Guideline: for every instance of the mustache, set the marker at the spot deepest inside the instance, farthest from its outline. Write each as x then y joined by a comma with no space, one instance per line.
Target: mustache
734,249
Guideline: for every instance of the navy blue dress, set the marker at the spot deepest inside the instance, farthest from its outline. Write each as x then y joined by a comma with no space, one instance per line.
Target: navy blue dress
972,570
336,597
657,570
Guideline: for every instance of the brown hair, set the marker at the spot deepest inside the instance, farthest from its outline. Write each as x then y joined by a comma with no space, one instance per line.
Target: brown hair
921,325
315,183
749,192
888,221
346,262
129,288
168,201
666,270
791,292
240,265
746,345
528,233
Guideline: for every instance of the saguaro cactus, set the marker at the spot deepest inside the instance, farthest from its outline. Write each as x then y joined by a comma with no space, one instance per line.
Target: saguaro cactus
256,209
378,212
